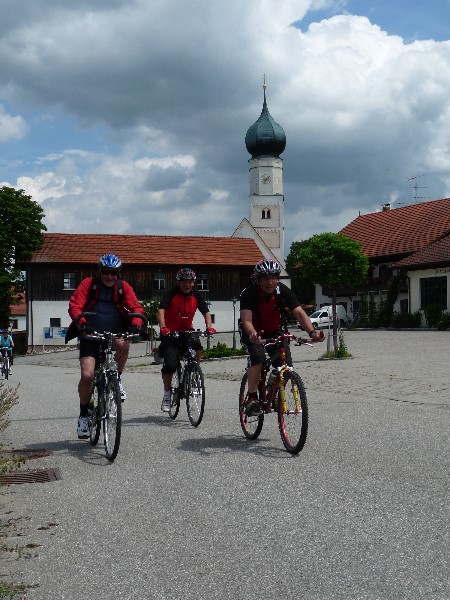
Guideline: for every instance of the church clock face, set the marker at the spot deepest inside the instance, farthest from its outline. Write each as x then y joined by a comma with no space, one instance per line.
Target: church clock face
265,178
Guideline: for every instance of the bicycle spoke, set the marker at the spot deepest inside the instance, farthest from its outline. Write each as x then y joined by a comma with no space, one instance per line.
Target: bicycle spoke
195,394
95,416
293,413
175,395
112,423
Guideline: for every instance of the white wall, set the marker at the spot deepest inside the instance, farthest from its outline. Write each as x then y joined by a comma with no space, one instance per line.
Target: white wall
39,314
42,311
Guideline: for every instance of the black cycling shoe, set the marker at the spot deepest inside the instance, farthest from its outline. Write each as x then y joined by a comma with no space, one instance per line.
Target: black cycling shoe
253,406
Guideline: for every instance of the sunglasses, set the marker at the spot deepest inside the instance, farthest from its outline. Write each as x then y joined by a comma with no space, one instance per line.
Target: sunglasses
112,273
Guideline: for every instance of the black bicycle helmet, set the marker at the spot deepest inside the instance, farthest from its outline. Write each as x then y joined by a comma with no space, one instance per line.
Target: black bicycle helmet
186,274
267,267
109,261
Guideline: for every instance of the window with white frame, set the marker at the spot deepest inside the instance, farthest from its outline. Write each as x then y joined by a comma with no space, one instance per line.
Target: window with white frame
69,281
159,280
202,282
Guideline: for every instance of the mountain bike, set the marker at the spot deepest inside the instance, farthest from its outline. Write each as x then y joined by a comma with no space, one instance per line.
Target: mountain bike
5,364
280,390
188,381
105,406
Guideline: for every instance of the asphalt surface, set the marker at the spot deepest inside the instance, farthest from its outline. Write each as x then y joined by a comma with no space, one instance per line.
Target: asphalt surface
183,513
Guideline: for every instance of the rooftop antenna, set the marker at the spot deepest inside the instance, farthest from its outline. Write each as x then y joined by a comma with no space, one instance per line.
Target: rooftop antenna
417,187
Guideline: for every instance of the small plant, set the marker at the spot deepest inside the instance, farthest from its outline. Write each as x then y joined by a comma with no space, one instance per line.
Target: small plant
340,352
8,398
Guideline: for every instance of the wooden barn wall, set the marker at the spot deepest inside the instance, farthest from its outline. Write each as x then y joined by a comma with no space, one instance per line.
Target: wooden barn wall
224,282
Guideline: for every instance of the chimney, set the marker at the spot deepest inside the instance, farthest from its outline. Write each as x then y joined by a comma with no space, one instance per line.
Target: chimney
386,207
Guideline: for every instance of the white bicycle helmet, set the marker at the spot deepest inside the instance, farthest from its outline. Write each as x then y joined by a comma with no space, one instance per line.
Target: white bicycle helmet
267,267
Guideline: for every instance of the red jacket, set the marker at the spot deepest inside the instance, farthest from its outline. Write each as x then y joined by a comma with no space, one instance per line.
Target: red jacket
82,300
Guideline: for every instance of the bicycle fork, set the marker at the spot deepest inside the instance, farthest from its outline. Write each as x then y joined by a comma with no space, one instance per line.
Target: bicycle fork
295,393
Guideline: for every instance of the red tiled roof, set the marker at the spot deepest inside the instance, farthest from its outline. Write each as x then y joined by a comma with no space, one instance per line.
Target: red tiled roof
19,310
400,231
435,254
147,249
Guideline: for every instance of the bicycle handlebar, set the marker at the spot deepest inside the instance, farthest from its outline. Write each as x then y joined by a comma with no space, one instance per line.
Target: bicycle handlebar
176,334
96,335
286,336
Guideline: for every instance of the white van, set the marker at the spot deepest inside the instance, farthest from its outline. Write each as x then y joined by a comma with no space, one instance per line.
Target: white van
324,317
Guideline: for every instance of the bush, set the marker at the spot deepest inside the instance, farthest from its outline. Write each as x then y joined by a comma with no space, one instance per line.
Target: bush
221,350
444,322
413,320
433,314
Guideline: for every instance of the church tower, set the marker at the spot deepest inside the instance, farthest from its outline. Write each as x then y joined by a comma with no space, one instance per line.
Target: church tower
265,141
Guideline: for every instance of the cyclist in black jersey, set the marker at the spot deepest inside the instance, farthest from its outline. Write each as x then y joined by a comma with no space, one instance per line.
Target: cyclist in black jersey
262,315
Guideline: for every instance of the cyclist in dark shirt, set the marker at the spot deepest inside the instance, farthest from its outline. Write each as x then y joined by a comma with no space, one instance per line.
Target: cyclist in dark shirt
262,308
176,313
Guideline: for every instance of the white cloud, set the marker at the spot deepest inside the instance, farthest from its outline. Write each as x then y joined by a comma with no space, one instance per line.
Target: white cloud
362,111
11,128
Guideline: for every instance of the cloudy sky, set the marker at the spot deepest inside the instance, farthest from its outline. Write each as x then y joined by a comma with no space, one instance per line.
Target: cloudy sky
129,116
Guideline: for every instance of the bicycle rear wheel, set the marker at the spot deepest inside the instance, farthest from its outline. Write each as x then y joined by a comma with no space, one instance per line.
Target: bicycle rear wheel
95,414
195,394
112,423
175,394
251,425
293,413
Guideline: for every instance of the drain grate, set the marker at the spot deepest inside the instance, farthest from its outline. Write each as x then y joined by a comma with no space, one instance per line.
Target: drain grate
38,476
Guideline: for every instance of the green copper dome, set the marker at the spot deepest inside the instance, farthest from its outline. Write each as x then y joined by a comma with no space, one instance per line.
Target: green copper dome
265,137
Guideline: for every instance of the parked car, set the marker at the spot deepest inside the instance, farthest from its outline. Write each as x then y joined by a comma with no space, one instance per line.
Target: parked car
323,318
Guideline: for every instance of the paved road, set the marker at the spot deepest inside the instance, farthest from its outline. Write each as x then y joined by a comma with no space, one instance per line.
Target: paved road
184,513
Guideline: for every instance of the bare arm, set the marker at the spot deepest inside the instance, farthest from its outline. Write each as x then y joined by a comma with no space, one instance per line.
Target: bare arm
247,325
161,318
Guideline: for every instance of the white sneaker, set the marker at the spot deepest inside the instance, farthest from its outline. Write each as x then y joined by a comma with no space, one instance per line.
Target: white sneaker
123,394
83,428
165,406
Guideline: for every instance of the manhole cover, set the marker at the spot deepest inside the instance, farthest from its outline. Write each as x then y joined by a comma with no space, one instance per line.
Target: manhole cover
38,476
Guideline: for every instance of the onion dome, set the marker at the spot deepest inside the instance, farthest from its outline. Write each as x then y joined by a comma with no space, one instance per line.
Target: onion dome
265,137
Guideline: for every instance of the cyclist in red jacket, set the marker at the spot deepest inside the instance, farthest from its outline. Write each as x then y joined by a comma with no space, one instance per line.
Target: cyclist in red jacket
176,313
111,299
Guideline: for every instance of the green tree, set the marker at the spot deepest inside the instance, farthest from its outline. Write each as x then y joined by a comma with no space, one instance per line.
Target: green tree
21,220
302,286
333,260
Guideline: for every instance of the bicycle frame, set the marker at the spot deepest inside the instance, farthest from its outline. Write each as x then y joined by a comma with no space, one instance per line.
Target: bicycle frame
279,382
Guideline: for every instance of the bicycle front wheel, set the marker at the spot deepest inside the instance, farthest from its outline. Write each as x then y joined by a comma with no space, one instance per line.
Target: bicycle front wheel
6,367
112,423
251,425
195,394
95,415
175,394
293,413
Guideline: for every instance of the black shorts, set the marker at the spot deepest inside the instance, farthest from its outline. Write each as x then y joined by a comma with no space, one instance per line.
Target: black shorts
90,348
171,348
257,352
